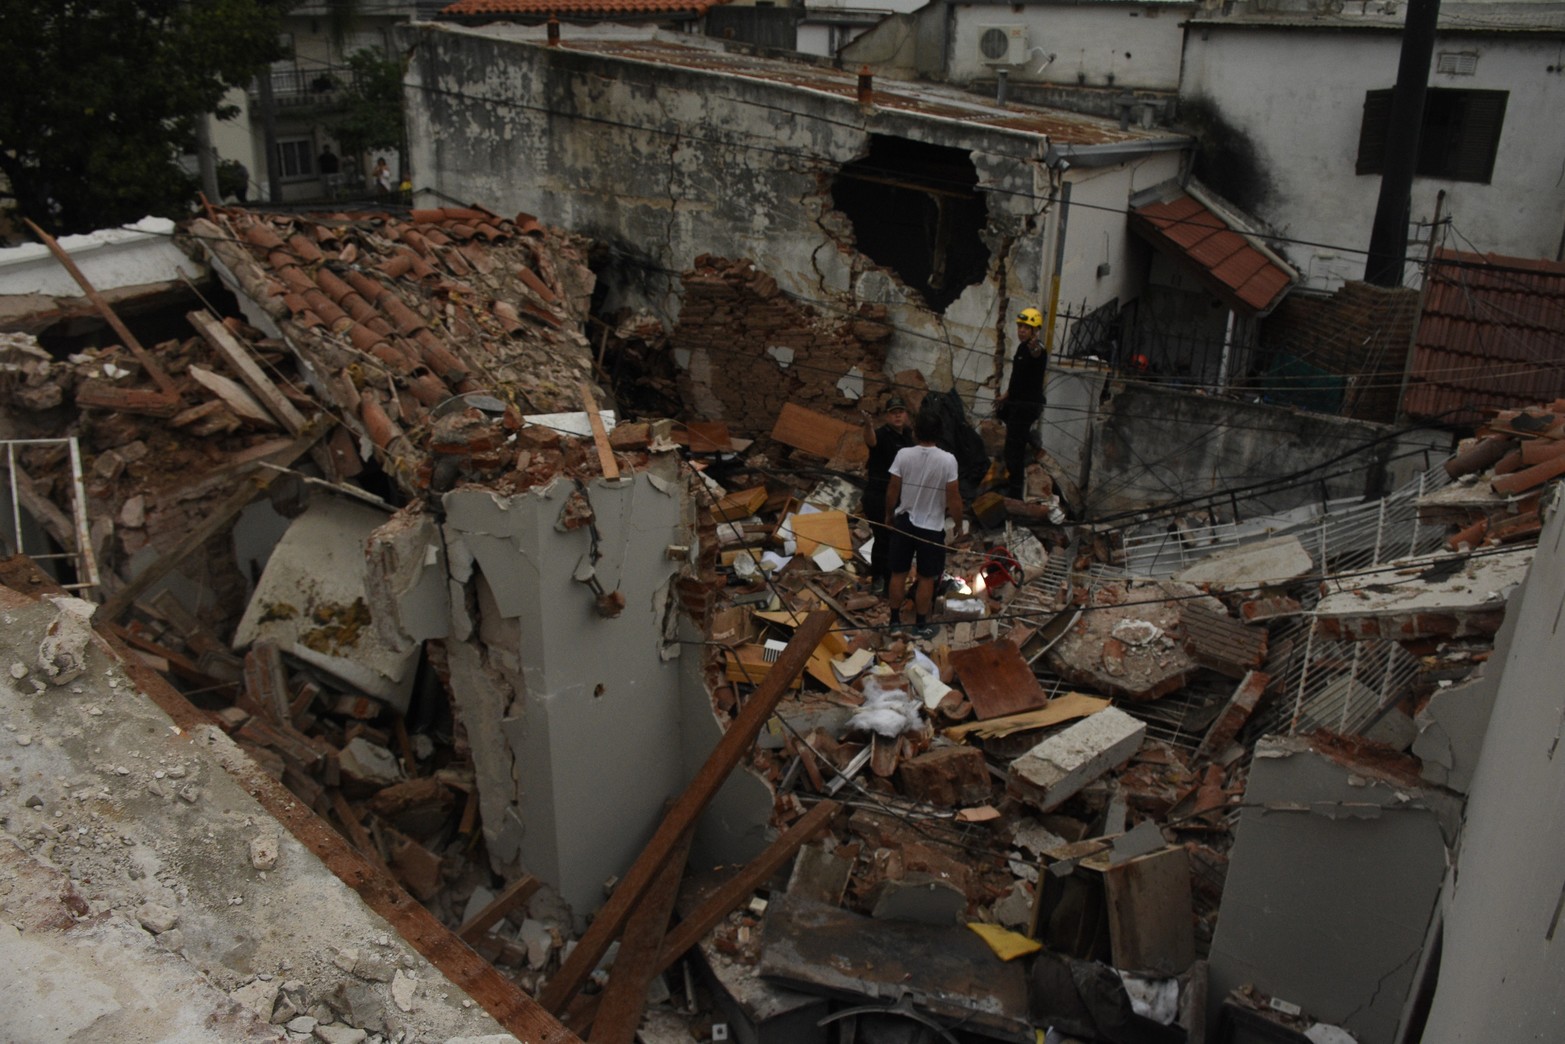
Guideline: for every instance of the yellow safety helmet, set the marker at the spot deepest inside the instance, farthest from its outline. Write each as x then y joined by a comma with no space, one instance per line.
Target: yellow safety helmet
1030,317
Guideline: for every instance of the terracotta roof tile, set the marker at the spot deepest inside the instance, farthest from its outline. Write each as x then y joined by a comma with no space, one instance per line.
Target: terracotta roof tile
1242,275
1492,335
398,316
604,9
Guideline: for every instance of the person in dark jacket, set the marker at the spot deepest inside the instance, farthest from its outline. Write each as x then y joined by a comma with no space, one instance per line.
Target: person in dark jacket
1022,404
884,443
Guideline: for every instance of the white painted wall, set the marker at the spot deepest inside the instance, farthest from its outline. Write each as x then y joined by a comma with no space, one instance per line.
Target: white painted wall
1504,956
1094,45
1308,130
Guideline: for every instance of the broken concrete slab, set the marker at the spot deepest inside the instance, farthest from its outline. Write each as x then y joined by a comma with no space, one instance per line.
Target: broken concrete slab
311,601
919,897
1333,878
947,973
143,797
405,580
1220,643
1442,596
1144,661
1060,766
1275,561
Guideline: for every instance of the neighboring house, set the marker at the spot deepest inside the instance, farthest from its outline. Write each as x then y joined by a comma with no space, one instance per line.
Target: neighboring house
679,15
1107,57
306,93
1294,95
1311,93
926,201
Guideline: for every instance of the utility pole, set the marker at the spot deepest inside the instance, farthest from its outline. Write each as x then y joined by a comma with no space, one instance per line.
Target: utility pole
1388,236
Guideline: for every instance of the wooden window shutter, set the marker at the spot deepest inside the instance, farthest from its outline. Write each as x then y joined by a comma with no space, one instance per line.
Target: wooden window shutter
1372,132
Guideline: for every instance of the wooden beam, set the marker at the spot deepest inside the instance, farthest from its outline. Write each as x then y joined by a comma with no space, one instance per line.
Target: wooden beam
600,435
514,895
718,904
625,997
356,832
148,363
725,756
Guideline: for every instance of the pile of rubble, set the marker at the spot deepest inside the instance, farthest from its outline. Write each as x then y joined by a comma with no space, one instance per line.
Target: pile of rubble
948,805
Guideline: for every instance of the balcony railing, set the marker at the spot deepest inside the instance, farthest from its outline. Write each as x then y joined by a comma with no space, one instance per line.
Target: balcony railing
306,85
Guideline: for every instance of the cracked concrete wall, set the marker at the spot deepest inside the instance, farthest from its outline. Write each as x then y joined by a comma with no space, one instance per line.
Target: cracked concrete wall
1332,882
1502,960
1151,445
574,718
666,164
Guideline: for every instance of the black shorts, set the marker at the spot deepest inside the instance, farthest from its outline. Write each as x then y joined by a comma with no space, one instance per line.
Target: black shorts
909,541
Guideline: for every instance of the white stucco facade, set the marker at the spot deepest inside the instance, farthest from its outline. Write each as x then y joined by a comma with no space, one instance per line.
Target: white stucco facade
1307,137
1130,45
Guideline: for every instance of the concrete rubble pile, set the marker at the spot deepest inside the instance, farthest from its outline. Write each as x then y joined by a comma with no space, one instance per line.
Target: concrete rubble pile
990,832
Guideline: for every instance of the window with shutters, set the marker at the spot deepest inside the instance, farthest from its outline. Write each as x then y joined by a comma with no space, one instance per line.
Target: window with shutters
1457,140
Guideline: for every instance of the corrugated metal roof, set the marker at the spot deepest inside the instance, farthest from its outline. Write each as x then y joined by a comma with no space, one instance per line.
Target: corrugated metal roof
1492,335
1236,270
606,9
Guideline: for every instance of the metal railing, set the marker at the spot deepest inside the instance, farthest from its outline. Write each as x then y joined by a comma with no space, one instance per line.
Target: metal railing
78,553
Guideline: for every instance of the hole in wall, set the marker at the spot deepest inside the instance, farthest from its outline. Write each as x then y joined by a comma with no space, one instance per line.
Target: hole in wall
916,210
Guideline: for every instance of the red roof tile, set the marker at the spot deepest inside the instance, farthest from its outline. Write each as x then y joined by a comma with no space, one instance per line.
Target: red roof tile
1492,335
608,10
1245,277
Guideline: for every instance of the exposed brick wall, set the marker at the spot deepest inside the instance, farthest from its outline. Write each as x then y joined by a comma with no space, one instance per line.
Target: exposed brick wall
733,313
1361,330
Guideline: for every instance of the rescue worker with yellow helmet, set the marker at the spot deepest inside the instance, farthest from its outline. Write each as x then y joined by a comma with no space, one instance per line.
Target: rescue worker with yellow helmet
1022,403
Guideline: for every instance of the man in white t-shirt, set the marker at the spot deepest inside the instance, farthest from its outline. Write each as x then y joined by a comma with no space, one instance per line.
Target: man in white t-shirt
923,492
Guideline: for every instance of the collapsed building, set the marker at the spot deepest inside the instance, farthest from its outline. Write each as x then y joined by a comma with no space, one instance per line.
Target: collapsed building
375,526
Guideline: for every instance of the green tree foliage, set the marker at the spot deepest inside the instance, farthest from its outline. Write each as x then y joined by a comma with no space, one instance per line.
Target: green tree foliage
104,97
372,117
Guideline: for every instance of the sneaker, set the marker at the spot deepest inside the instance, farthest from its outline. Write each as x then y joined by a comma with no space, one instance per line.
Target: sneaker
924,632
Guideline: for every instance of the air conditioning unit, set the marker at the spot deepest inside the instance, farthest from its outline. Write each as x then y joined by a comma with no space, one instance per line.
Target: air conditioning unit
1003,44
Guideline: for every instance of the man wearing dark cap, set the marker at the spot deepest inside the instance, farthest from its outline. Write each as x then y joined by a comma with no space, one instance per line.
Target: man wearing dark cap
884,443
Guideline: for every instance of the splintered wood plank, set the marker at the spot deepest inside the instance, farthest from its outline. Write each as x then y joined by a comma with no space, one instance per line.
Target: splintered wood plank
730,749
625,997
514,895
820,435
997,679
1064,708
600,435
237,356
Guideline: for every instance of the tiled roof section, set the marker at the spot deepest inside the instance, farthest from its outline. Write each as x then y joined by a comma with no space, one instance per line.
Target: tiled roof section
1242,275
396,316
1492,335
606,9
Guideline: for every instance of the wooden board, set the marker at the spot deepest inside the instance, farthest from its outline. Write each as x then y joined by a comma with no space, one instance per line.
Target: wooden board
1149,906
997,680
823,528
739,504
704,437
819,435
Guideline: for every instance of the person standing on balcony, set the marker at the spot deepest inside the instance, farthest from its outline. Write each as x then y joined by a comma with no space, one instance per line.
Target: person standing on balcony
382,176
331,170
